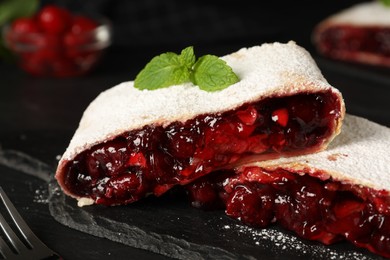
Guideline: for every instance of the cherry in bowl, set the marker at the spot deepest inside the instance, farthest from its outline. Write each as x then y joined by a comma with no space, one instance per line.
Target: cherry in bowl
57,43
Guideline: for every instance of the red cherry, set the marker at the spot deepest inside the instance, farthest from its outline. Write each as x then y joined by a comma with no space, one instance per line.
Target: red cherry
48,42
25,25
22,31
137,159
77,39
40,62
46,57
78,33
121,186
46,47
280,116
346,207
82,24
203,194
248,116
53,19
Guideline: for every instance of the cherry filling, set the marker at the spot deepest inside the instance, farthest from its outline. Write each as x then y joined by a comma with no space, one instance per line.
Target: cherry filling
348,38
155,158
315,208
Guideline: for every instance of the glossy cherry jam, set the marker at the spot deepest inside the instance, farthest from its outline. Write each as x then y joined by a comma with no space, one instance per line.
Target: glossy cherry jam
155,158
374,40
322,210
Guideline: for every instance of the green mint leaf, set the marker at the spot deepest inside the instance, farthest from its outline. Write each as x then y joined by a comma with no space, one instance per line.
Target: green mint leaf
11,9
188,57
211,73
386,2
163,71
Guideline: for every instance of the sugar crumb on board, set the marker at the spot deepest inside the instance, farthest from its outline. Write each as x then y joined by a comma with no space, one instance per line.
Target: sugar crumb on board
284,242
41,195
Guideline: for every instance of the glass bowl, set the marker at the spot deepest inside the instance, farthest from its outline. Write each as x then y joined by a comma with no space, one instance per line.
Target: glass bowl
59,55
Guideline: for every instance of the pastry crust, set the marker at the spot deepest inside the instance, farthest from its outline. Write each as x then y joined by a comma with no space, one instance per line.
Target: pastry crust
359,156
371,13
364,15
269,70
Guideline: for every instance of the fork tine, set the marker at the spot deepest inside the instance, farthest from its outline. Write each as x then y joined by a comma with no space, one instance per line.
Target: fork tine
5,251
42,251
19,221
12,237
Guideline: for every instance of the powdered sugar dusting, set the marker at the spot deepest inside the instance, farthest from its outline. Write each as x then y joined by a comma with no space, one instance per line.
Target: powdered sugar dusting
369,14
285,242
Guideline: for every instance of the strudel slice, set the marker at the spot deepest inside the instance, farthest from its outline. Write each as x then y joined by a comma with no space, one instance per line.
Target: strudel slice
342,193
131,143
360,33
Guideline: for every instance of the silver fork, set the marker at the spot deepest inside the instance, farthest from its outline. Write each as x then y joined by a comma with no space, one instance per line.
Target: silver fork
31,248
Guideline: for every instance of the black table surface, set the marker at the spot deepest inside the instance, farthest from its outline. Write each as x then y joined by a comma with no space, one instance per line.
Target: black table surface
39,115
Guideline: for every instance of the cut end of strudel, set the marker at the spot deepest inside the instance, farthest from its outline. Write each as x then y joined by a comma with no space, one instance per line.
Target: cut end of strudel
132,143
342,193
357,34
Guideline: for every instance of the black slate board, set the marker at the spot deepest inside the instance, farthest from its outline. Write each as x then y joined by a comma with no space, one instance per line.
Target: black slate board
169,226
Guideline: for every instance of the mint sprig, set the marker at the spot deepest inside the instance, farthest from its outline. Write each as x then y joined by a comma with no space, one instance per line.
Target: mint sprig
209,72
386,2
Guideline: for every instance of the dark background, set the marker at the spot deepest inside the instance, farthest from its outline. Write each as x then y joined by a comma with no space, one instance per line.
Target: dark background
145,28
176,22
39,115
